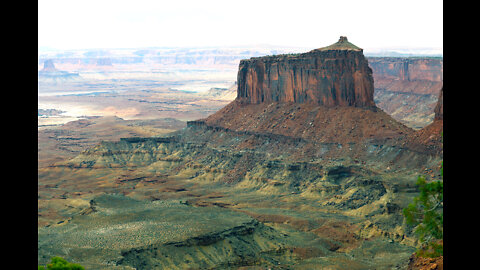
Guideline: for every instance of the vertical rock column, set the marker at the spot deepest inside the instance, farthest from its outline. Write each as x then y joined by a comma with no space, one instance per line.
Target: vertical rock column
336,75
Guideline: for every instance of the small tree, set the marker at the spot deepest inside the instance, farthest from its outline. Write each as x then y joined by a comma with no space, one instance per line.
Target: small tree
426,214
58,263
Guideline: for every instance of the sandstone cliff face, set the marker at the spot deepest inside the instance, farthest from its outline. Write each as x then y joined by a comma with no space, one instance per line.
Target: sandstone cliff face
439,108
407,88
408,75
337,75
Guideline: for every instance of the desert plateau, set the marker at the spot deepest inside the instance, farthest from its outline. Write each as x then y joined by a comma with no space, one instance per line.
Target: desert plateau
235,158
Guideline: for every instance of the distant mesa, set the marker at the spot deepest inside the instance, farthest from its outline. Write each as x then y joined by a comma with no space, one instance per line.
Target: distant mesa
336,75
48,66
50,71
431,135
104,62
49,112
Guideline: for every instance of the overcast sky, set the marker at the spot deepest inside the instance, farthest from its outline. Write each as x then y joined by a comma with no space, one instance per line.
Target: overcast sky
68,24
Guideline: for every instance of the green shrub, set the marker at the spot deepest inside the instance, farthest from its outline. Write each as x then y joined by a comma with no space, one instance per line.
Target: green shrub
426,214
58,263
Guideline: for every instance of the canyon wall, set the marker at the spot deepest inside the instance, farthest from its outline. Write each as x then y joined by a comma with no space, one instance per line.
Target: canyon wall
407,88
421,75
336,75
439,108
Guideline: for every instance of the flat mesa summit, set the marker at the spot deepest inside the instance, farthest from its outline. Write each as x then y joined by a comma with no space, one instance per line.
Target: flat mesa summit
336,75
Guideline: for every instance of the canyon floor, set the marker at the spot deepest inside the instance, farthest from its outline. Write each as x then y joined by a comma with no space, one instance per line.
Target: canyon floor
160,206
202,198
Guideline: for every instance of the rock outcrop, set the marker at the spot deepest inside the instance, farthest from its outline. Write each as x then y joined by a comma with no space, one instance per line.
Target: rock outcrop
421,75
439,108
48,66
336,75
325,95
407,88
49,71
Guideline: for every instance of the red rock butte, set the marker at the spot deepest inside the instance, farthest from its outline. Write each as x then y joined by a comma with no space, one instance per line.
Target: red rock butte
48,66
336,75
322,96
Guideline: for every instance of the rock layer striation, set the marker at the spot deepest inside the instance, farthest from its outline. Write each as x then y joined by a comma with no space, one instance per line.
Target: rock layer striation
407,88
439,107
336,75
419,75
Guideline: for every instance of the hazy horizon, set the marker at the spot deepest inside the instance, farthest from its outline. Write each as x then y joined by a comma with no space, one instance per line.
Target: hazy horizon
413,50
371,25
